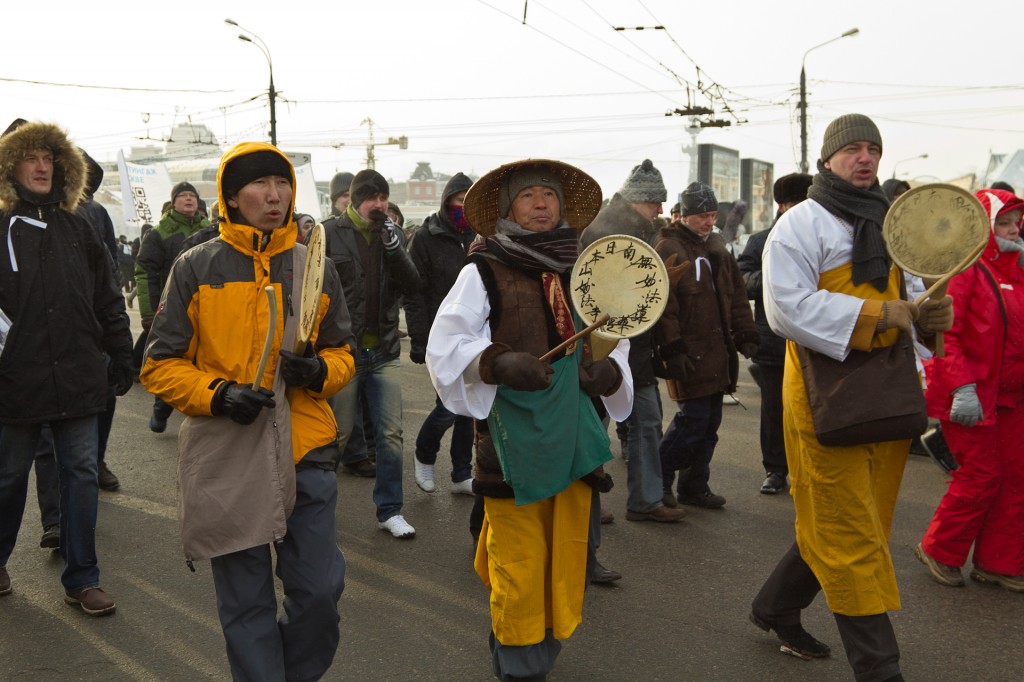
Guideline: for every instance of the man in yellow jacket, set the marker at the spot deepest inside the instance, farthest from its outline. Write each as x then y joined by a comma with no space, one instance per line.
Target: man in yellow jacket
257,453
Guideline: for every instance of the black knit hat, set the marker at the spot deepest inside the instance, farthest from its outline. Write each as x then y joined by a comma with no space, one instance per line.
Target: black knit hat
365,184
340,183
699,198
792,188
242,170
644,185
846,129
183,187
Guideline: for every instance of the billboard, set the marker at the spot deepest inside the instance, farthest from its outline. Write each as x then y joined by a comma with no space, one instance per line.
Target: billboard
757,181
719,167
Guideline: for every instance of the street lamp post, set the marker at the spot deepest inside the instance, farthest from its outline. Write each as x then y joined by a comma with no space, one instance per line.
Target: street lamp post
258,42
803,96
912,158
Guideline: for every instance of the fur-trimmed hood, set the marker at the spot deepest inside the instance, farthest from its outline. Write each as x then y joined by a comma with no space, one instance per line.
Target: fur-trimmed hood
69,173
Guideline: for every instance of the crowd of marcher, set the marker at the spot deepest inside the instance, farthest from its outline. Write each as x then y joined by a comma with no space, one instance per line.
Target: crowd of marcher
484,283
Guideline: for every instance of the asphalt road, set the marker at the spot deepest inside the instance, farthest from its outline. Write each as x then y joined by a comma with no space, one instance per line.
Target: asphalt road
414,610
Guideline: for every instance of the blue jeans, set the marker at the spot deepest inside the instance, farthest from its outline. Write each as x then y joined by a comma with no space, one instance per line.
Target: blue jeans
428,442
76,443
689,444
302,643
47,480
643,437
380,381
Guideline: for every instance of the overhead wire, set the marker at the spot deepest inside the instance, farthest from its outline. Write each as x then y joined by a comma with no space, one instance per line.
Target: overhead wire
576,51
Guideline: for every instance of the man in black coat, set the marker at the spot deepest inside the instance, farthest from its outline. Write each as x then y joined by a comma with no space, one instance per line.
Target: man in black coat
60,297
438,252
369,253
767,363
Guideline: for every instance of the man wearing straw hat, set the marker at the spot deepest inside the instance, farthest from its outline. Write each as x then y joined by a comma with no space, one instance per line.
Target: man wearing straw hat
540,443
257,453
830,286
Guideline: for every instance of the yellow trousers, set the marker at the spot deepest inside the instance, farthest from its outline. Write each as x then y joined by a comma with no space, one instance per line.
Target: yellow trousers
533,559
844,498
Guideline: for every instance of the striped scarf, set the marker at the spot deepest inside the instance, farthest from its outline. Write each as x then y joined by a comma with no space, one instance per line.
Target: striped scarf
537,252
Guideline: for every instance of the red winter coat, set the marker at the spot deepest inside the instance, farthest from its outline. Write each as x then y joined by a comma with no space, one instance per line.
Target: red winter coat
977,351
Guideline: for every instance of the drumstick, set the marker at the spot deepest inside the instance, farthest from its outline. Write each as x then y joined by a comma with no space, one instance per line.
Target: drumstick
938,290
268,342
599,322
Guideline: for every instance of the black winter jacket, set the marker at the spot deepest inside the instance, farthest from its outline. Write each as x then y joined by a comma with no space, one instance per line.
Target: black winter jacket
772,350
438,251
398,277
64,304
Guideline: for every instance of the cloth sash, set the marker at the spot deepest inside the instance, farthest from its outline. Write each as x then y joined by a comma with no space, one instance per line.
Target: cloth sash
547,439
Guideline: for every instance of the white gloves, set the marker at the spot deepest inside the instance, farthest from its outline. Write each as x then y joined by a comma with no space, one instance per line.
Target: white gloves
966,409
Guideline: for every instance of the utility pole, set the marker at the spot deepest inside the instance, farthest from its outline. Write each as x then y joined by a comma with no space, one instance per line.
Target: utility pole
803,96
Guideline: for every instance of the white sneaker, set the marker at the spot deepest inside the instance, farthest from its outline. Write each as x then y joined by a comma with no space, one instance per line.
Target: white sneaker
398,527
424,476
463,487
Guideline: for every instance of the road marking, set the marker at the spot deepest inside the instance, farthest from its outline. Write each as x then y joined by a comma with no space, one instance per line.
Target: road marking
141,504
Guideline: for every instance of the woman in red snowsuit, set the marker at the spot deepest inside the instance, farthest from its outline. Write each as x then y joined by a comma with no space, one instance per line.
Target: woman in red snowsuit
977,390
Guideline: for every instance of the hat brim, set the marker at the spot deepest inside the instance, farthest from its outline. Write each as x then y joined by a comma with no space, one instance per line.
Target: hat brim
582,195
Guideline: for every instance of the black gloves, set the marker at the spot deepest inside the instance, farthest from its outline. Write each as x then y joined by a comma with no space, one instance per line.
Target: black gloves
499,364
600,378
748,349
418,353
120,375
240,402
389,235
522,372
680,366
381,223
308,369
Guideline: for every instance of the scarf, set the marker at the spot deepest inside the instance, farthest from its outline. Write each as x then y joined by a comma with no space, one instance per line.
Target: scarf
865,210
457,217
552,251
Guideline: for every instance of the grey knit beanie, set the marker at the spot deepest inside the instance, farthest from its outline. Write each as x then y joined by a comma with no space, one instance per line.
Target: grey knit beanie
846,129
698,198
644,185
340,183
528,176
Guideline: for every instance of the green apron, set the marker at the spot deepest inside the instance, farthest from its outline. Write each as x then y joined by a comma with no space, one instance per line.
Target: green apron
547,439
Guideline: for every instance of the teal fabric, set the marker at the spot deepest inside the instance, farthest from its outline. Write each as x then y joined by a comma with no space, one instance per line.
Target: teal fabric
547,439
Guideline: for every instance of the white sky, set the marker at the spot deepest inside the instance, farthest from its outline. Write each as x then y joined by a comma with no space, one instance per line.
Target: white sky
472,87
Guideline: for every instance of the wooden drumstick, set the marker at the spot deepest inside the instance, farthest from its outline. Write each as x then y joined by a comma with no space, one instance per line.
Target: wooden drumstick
268,342
599,322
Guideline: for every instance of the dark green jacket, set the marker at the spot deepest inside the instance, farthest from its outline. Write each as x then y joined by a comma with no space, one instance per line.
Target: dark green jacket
157,253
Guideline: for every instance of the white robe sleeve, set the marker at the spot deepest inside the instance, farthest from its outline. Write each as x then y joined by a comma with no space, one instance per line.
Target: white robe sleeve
804,244
620,403
459,335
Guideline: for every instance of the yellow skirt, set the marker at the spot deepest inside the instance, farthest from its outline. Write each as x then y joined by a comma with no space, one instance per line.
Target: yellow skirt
844,498
533,559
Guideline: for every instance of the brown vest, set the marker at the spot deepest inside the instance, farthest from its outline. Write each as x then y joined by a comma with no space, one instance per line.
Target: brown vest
519,318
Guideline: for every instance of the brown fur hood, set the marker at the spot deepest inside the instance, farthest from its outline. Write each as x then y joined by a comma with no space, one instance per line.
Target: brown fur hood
70,169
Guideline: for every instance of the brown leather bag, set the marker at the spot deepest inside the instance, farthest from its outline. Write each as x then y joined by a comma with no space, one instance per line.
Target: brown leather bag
871,397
